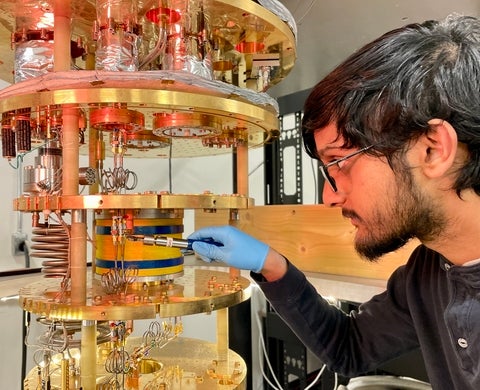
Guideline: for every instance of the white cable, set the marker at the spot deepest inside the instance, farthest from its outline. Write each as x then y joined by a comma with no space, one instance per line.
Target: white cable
316,378
264,375
254,169
335,385
264,349
300,20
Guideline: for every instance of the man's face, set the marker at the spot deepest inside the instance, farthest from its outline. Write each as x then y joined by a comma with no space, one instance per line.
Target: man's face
387,208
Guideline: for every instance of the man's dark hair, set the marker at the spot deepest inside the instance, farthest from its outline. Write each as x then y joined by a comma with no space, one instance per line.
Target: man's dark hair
386,92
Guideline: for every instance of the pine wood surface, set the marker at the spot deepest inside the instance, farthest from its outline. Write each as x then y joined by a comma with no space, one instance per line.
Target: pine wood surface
313,237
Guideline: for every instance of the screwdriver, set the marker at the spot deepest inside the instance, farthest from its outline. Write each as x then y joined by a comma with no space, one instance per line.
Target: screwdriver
171,242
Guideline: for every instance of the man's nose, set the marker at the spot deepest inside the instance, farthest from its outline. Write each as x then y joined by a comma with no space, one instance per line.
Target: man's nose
332,198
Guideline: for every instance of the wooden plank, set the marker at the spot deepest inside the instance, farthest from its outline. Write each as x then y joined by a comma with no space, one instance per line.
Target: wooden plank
313,237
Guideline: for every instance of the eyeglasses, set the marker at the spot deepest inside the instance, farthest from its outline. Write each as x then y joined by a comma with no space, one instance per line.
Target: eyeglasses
324,167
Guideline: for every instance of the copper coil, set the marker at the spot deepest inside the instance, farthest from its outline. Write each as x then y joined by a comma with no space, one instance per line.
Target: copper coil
51,243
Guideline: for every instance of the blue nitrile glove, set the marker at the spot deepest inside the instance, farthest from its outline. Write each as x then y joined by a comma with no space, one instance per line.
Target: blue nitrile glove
239,250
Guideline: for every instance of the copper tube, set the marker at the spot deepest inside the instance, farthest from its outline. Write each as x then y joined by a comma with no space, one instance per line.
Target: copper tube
71,144
62,33
242,168
78,257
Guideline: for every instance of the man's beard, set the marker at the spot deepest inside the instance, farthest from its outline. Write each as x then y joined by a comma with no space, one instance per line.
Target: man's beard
406,214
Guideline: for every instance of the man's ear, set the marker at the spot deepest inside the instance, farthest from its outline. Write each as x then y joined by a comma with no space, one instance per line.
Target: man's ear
438,148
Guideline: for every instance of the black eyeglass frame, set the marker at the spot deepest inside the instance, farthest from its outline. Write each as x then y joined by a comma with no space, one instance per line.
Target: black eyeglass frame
324,167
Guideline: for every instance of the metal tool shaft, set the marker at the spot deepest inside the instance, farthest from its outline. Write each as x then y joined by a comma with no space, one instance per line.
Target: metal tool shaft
167,241
171,242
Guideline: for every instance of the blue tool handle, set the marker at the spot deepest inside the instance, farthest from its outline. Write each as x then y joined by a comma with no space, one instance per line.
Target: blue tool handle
208,240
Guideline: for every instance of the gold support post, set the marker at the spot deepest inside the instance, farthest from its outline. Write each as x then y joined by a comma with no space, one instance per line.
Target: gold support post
222,341
78,257
89,354
242,188
222,314
65,372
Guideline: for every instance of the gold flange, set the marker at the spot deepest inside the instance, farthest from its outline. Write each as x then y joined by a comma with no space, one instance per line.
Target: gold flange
132,201
197,291
158,100
143,101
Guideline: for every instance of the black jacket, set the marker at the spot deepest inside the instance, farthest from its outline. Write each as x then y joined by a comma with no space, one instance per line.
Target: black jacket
428,303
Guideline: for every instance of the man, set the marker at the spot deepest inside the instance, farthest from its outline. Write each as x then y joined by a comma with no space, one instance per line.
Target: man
396,128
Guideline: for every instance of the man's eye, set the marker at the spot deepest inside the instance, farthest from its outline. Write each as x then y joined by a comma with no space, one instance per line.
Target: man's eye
331,160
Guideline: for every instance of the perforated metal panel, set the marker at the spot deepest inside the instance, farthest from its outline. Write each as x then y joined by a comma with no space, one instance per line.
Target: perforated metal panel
283,163
290,153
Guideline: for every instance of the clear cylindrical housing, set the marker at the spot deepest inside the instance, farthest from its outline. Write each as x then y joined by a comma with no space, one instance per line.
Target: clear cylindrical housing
188,45
33,43
118,35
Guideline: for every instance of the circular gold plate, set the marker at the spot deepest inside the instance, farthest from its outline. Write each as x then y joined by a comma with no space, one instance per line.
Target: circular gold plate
197,291
183,363
133,201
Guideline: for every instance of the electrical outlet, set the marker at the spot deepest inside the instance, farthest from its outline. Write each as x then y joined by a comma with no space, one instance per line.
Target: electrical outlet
18,243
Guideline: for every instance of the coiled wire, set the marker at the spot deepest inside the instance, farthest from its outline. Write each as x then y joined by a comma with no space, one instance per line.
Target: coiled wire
117,280
51,243
110,383
118,179
60,334
59,338
160,334
118,362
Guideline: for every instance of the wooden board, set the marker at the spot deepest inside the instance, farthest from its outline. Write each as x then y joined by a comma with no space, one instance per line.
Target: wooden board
313,237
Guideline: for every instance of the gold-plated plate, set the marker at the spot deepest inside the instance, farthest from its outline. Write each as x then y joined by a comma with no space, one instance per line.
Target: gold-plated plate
133,201
183,363
241,118
232,23
197,291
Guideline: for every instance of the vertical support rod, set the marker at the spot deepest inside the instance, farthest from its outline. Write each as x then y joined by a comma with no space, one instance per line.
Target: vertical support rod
61,35
78,239
241,187
222,335
70,148
65,374
96,155
89,355
78,257
242,169
70,179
